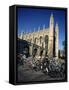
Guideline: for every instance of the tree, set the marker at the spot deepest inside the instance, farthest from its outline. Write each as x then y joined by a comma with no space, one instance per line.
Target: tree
63,45
63,48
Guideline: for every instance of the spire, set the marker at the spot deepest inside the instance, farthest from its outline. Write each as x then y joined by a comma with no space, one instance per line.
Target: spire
21,35
52,16
56,26
51,19
25,31
34,29
38,28
44,26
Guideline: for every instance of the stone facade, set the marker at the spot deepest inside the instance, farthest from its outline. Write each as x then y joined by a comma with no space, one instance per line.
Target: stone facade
46,39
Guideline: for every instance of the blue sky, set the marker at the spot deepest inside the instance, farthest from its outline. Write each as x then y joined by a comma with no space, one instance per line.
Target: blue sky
28,19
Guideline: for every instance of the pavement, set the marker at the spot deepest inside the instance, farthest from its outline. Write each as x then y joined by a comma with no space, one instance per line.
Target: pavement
26,74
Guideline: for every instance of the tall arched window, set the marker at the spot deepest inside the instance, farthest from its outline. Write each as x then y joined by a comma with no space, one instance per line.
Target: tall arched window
40,39
46,39
46,43
35,40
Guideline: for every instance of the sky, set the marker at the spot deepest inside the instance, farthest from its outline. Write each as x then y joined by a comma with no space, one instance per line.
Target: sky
30,18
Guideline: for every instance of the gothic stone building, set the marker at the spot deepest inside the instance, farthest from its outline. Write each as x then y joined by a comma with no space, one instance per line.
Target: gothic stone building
45,39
